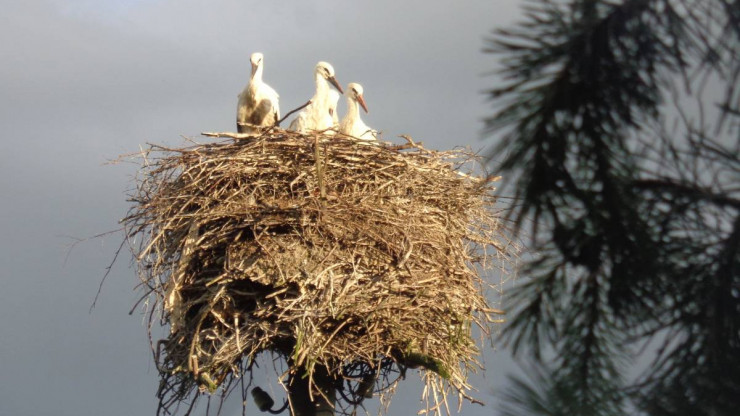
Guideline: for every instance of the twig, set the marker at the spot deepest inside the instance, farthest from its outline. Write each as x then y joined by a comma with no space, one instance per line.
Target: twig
229,135
107,272
411,142
319,167
292,111
252,135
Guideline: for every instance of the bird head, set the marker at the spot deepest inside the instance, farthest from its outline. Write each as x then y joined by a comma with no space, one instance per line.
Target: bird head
325,70
354,91
256,60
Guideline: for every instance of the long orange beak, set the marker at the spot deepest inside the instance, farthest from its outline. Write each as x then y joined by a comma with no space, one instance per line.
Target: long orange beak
336,84
254,68
361,100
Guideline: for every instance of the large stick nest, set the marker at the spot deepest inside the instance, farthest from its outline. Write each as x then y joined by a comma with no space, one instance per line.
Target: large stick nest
365,259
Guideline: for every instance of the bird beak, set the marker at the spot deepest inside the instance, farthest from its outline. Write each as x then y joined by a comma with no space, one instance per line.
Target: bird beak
254,68
336,84
361,100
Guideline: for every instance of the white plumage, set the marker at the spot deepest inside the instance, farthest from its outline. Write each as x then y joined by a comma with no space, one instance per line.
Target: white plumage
320,114
352,124
258,102
332,103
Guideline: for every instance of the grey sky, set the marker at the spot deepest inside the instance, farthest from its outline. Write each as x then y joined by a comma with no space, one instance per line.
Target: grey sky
84,81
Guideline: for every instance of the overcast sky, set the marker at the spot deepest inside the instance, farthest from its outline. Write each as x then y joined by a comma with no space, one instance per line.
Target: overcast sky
83,81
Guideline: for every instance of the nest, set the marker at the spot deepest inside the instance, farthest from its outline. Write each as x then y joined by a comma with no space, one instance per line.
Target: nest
363,259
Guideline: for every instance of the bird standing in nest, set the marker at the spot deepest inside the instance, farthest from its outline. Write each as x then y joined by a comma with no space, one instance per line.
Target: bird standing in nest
258,102
352,124
319,114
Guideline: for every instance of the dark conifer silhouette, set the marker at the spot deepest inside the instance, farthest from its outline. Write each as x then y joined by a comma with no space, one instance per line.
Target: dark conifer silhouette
617,126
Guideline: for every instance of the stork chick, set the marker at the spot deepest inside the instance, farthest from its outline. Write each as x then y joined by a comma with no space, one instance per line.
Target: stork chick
258,102
319,115
352,124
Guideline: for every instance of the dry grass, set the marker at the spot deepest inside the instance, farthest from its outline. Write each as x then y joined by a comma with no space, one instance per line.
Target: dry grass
366,260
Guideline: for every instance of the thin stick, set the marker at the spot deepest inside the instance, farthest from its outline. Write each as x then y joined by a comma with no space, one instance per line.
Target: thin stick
251,135
292,111
107,272
228,134
319,167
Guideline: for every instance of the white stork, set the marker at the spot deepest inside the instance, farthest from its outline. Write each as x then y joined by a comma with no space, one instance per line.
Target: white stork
258,102
319,115
352,124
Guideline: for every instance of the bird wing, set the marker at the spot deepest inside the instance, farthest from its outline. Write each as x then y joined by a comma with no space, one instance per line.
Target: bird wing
263,114
268,92
362,131
244,108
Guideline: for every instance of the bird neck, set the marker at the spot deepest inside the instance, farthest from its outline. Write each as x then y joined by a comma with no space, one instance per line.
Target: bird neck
257,73
353,109
322,86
